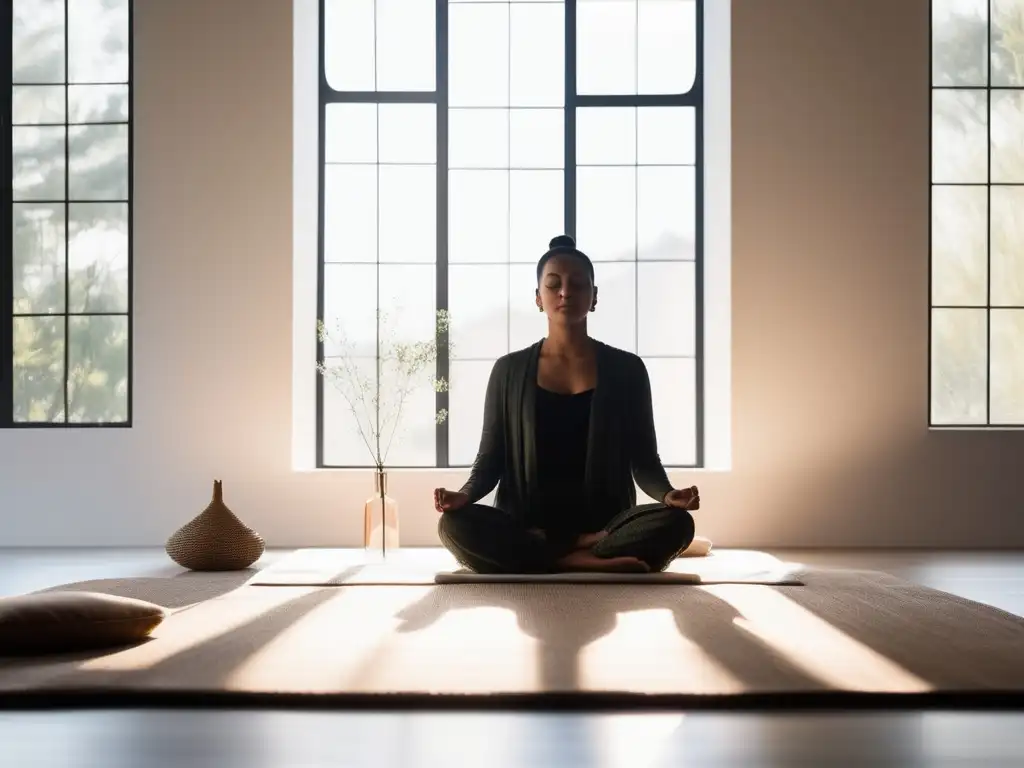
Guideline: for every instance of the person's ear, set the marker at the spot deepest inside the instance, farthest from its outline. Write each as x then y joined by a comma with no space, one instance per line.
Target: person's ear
593,304
537,301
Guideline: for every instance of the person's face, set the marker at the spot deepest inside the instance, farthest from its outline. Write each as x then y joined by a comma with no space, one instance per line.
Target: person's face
566,293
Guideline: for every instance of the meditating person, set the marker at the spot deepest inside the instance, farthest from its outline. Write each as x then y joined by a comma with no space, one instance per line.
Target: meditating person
568,427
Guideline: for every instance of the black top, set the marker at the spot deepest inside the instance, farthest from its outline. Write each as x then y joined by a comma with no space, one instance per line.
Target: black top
563,428
621,442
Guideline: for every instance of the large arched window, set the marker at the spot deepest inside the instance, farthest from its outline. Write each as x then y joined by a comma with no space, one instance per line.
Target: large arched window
977,224
65,333
457,138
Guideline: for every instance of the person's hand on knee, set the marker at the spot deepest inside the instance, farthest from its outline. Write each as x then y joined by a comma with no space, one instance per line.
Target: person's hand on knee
683,498
449,501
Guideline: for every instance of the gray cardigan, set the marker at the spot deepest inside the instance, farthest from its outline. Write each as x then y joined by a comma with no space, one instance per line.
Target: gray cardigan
622,446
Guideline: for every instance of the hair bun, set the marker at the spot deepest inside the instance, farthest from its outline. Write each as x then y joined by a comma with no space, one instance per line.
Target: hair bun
562,241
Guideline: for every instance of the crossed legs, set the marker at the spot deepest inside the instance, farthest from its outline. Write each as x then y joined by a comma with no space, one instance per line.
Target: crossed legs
487,540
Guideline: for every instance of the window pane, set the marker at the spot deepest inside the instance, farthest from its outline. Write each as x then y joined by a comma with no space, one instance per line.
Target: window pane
477,301
667,46
38,36
667,311
477,216
38,258
352,294
478,138
478,63
98,157
349,418
606,213
614,320
959,366
350,133
405,45
1007,366
537,213
38,155
408,213
98,41
959,42
606,136
666,212
408,415
350,213
1007,41
39,369
1008,136
526,324
350,309
98,257
959,245
606,39
537,138
37,104
674,393
537,76
408,133
98,369
349,36
666,136
959,136
98,103
1007,246
468,389
408,304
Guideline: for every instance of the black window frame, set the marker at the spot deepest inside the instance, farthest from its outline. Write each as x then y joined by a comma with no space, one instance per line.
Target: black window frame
694,98
7,420
988,184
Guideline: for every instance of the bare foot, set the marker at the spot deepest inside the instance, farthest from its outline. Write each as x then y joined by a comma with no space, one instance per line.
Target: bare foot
699,547
588,540
585,560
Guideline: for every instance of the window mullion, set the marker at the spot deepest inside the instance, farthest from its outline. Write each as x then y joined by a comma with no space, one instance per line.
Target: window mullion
698,245
7,224
443,364
572,102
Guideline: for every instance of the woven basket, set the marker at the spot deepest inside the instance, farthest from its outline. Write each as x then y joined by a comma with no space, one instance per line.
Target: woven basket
215,540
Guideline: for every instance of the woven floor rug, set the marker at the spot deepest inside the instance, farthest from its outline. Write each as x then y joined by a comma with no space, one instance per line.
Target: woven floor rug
844,638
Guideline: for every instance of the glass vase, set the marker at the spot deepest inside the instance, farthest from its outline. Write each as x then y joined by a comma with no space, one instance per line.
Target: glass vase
380,519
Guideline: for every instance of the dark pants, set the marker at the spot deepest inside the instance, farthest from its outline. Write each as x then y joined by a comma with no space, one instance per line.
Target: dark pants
487,540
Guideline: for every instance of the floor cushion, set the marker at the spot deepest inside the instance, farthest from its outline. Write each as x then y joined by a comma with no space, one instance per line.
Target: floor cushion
53,622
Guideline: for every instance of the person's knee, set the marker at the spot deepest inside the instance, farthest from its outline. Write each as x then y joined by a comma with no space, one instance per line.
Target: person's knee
456,526
675,529
450,527
680,528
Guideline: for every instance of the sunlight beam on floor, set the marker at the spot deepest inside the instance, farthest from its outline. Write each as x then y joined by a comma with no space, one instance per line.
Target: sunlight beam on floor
636,740
812,644
645,651
322,650
458,651
200,624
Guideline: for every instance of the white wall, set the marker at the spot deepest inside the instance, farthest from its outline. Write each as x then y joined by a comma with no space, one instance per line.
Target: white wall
829,285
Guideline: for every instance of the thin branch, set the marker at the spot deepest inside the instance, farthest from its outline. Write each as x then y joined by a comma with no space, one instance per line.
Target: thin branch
359,427
401,359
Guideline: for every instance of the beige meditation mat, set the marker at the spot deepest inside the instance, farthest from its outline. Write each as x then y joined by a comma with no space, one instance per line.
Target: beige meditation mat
844,639
430,565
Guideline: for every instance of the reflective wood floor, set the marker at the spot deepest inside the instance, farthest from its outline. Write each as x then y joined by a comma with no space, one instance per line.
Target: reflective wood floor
273,739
